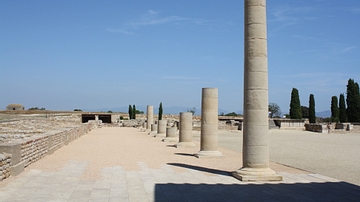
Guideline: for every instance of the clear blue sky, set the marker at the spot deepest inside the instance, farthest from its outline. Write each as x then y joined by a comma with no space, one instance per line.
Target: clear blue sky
63,55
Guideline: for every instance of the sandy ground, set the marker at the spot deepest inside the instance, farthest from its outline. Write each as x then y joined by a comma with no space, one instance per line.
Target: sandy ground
335,155
128,147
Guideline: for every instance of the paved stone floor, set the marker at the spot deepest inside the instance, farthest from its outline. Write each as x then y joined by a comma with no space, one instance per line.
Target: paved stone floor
176,180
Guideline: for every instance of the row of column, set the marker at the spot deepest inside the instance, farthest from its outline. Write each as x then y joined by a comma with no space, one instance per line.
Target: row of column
209,138
255,133
209,126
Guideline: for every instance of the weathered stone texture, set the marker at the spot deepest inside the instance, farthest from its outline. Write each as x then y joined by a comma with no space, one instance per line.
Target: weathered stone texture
26,141
5,164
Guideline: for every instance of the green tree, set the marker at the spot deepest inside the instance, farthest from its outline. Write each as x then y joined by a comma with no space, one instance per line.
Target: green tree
192,110
160,111
304,112
342,109
231,114
295,107
134,112
130,112
274,110
312,113
353,101
334,109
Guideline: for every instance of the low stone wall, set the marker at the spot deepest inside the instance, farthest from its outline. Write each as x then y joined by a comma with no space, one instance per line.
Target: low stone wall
334,127
356,127
290,124
5,164
343,127
25,151
33,150
316,128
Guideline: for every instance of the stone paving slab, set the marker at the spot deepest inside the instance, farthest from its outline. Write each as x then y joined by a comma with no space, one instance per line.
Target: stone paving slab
168,182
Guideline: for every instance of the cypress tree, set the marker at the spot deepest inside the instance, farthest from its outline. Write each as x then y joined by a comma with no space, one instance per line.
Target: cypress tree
304,112
160,111
295,107
353,101
134,112
342,109
312,113
334,109
130,112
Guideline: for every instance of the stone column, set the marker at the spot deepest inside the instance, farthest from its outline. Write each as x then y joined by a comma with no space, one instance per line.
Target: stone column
209,124
185,131
153,131
171,135
161,131
256,124
150,116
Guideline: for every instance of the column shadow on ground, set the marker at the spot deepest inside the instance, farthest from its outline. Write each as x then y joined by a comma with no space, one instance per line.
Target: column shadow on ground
329,191
184,154
199,168
315,191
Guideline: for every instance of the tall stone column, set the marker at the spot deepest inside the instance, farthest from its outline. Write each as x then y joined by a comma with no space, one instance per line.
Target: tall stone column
256,124
150,116
185,131
209,124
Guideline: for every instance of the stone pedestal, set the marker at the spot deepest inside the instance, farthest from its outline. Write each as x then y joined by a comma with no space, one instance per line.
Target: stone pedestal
171,135
143,128
161,130
185,131
209,124
149,116
153,129
256,124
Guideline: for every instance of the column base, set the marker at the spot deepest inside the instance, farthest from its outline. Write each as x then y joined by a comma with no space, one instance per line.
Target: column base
202,154
185,144
153,133
256,174
160,135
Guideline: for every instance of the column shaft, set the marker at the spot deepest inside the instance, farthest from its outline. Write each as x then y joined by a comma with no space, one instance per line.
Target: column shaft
185,131
209,123
255,133
150,116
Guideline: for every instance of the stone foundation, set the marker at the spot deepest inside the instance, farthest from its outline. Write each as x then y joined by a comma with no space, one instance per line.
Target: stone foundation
20,153
316,128
5,164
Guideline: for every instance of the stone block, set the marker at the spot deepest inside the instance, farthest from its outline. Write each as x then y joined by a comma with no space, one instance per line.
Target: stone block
17,168
13,148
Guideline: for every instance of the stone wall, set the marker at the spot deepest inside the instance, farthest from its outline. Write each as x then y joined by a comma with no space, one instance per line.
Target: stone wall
316,128
290,124
5,164
334,127
23,152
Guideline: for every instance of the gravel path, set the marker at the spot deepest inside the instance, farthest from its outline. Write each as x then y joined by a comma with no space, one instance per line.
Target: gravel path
335,155
108,147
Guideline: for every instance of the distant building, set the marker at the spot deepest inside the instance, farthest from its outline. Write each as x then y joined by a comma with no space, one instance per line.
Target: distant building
15,107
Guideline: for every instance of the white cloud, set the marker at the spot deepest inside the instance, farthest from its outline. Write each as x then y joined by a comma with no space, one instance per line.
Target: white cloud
284,16
122,31
355,10
153,18
152,12
348,49
180,77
